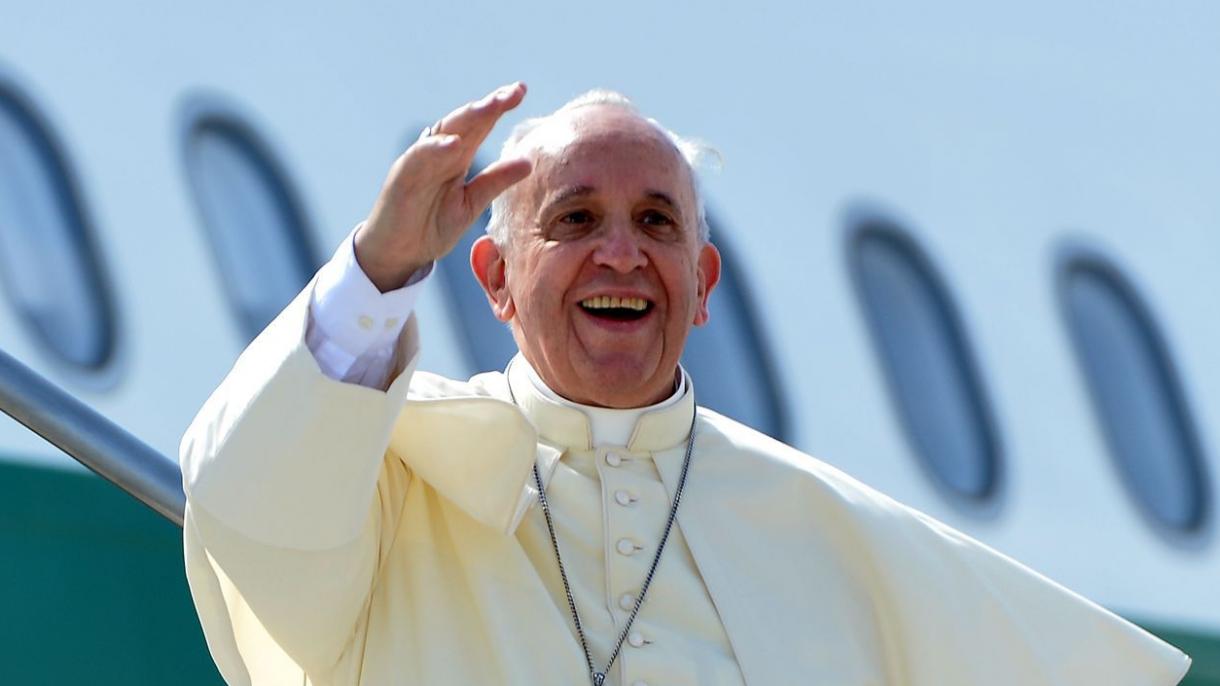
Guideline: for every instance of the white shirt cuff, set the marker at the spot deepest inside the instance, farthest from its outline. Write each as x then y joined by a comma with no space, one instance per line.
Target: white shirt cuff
350,317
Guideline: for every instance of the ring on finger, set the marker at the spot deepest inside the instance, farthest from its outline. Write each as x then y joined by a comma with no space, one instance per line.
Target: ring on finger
429,131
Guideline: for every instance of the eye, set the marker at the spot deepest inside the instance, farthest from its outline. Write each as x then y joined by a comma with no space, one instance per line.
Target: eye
577,217
655,218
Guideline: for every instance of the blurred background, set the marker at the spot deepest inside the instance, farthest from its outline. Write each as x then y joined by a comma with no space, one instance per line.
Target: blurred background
971,260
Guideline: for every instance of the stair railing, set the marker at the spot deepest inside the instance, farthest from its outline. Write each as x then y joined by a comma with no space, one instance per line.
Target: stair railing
91,439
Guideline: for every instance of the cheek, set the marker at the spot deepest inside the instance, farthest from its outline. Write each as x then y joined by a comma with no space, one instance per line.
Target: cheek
682,284
538,291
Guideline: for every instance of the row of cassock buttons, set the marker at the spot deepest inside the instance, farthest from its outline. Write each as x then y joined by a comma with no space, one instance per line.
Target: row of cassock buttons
626,546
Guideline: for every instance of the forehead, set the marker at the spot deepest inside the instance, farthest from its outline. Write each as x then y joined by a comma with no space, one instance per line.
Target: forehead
608,150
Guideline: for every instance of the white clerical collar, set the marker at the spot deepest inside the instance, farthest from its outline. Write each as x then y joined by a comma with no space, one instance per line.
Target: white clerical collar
608,426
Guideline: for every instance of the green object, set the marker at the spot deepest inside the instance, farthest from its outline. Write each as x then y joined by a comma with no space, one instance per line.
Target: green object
1203,649
92,587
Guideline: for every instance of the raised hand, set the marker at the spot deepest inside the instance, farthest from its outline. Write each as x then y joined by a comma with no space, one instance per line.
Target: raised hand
426,203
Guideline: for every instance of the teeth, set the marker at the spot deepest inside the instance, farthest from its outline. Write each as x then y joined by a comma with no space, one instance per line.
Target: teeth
602,302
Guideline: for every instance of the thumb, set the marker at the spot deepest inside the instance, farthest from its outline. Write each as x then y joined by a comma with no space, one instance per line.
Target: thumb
494,180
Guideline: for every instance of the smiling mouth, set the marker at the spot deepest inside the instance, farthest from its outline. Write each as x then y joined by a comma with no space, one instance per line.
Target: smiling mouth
616,309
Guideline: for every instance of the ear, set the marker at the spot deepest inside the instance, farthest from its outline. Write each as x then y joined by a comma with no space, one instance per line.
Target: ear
490,268
708,275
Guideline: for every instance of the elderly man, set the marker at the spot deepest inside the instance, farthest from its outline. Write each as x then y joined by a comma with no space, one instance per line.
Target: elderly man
577,518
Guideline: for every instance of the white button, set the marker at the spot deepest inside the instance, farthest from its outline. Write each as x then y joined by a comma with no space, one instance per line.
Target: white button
636,639
391,323
613,459
623,498
626,601
625,546
365,322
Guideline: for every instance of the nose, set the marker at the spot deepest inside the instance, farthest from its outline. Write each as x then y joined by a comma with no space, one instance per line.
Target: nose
619,248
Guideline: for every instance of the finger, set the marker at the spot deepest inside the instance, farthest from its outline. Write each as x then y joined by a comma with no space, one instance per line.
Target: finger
473,121
494,180
432,145
433,154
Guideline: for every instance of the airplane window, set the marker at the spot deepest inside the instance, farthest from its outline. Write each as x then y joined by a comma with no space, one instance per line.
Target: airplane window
48,263
727,358
1135,391
926,357
254,222
488,342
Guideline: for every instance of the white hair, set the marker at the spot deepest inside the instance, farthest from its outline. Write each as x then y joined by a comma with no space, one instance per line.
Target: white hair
694,153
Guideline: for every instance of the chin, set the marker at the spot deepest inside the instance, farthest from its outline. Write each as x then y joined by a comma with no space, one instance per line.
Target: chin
621,383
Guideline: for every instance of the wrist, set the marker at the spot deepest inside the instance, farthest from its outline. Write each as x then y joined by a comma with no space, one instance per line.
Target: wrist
386,275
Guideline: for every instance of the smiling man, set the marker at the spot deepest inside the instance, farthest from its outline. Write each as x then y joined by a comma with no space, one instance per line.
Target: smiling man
610,263
578,518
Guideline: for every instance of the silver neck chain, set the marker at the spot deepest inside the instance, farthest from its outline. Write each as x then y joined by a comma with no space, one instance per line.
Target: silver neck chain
599,678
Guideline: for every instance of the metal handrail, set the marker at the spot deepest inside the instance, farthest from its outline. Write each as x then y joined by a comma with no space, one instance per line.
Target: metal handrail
91,439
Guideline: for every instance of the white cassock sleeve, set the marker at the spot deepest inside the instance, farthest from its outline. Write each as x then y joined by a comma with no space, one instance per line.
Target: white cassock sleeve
291,494
968,611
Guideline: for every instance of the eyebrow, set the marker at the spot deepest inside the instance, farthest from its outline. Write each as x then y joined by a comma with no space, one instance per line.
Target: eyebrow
580,191
664,199
568,193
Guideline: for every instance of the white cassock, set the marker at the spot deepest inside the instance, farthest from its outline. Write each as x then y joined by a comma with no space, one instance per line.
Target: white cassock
345,534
